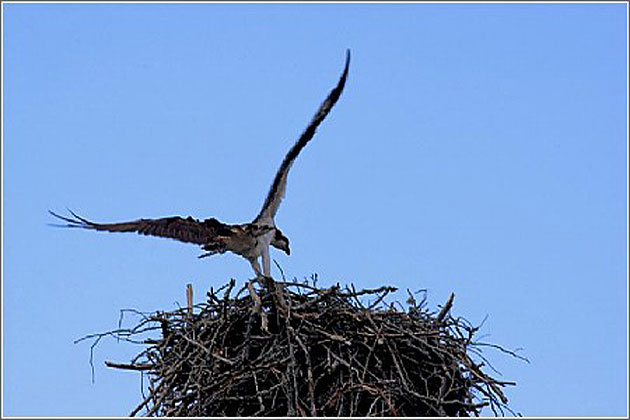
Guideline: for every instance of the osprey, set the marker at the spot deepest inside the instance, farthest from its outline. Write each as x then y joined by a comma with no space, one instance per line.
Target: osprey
249,240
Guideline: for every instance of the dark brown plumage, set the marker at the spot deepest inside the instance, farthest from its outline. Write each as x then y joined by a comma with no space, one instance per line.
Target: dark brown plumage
250,240
277,190
188,230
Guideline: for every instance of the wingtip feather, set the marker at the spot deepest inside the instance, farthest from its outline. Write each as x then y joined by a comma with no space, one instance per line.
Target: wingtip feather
78,221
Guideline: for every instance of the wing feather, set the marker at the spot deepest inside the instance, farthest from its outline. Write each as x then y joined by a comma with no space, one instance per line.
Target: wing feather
278,187
184,230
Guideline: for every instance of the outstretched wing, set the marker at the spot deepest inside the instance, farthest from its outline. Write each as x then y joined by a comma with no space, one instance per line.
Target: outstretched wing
276,192
185,230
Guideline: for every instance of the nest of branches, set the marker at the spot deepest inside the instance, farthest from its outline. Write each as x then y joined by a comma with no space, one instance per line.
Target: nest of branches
293,349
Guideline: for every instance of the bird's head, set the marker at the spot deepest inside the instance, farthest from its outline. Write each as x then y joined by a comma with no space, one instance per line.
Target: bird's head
281,242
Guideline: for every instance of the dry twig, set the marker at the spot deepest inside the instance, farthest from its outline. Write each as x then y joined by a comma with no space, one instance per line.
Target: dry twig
310,352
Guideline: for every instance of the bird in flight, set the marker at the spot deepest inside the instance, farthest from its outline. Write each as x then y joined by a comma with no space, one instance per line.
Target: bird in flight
250,240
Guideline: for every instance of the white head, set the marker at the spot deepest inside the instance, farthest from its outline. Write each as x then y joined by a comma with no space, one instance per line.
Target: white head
280,241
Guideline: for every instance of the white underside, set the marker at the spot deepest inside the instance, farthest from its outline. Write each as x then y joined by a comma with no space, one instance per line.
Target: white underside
262,250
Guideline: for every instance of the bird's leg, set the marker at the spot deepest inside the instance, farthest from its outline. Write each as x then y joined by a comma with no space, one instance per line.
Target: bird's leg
254,263
266,261
264,323
256,267
276,289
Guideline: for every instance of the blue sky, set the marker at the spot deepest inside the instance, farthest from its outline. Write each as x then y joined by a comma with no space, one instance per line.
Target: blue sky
479,149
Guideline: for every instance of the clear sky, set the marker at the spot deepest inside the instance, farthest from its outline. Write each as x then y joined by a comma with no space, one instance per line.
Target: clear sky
479,149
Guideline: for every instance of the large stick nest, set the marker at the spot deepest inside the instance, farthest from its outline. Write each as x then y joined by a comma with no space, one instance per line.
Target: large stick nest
307,351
